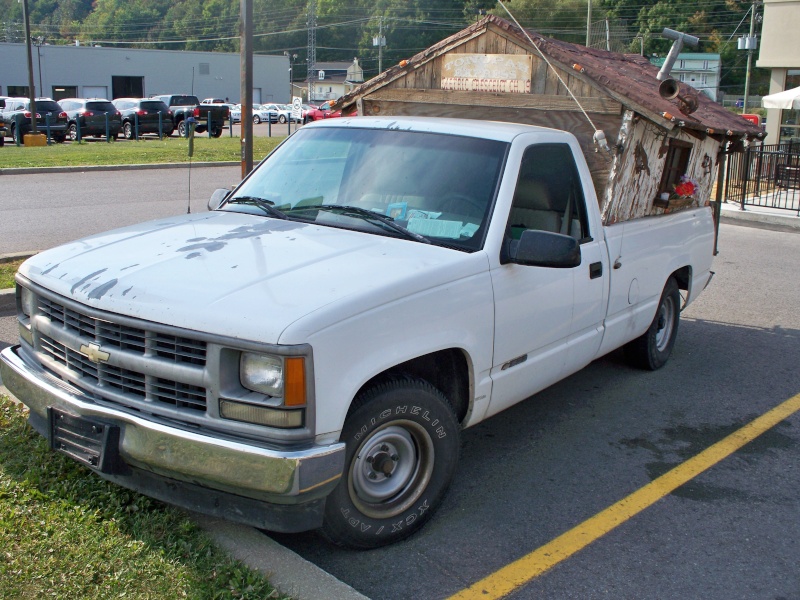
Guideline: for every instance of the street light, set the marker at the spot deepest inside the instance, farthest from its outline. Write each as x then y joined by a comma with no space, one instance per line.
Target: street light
291,75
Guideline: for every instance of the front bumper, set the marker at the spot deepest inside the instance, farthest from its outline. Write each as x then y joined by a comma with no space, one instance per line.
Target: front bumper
278,490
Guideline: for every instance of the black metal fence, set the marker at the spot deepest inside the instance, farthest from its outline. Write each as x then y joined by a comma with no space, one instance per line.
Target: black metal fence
765,175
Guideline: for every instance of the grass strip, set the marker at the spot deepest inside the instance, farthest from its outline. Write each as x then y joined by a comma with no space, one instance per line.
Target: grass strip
65,533
7,271
145,151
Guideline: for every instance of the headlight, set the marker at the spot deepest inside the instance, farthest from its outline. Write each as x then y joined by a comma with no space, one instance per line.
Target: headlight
262,373
27,301
275,376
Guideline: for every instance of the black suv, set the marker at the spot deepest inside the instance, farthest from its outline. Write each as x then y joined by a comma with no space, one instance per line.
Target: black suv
141,115
49,117
91,116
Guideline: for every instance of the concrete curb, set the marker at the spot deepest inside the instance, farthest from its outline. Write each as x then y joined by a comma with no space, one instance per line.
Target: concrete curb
8,303
734,214
85,168
290,573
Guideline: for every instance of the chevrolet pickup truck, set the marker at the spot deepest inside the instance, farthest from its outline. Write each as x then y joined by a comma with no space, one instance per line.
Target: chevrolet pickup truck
186,107
305,354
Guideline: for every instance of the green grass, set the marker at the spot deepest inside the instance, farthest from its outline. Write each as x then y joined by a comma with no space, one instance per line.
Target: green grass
147,151
65,533
7,271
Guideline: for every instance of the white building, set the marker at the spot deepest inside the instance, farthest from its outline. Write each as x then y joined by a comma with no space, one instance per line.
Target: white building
697,69
331,80
780,52
105,72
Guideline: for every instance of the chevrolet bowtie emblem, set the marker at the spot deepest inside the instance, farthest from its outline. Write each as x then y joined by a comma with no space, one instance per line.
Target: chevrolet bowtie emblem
94,353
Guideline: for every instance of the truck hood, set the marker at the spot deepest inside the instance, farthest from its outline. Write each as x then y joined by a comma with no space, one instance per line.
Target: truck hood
239,275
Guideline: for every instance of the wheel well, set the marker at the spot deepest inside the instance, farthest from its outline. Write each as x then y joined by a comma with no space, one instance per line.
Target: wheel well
446,370
684,277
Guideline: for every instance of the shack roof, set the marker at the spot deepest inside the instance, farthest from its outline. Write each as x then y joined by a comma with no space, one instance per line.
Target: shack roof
630,79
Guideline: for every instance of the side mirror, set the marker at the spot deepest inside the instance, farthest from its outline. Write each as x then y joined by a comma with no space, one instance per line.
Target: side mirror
217,198
545,249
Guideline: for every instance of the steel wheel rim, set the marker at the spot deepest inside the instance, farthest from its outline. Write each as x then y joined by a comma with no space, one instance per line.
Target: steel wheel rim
391,469
666,323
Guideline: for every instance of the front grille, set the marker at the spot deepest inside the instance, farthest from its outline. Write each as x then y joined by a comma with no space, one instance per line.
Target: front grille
141,355
134,339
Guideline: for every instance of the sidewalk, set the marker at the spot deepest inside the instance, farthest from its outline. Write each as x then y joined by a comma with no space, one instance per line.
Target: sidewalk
731,212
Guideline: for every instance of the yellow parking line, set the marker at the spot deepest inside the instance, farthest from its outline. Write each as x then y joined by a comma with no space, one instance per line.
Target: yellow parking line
523,570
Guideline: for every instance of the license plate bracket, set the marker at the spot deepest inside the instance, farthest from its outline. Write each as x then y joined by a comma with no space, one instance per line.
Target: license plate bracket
90,442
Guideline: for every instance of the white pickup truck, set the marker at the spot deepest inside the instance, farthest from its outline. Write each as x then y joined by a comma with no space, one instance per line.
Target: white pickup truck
305,354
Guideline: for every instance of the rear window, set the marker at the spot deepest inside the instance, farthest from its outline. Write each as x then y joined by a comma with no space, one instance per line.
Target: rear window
101,106
47,105
184,100
154,105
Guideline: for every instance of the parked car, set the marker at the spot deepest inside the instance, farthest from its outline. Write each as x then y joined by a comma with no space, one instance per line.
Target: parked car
185,106
262,114
281,113
91,116
213,101
142,115
3,128
236,113
323,112
49,117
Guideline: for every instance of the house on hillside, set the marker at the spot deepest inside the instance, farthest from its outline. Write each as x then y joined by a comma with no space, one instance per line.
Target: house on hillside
701,70
495,71
331,80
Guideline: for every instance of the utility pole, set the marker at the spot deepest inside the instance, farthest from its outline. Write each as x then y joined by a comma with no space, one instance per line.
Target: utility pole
246,67
750,45
312,46
31,86
589,25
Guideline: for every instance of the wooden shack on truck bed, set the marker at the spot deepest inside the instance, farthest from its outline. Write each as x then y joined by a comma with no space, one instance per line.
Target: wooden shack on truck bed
493,70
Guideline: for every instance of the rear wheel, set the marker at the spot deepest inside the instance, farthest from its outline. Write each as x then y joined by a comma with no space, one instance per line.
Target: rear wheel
652,350
256,119
282,118
127,131
72,132
216,132
402,450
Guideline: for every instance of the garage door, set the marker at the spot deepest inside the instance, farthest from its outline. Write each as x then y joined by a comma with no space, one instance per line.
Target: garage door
95,91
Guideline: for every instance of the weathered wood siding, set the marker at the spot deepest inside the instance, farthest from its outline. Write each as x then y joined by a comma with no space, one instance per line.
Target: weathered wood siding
636,172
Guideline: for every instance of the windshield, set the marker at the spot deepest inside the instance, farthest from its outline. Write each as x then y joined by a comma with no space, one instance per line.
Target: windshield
439,187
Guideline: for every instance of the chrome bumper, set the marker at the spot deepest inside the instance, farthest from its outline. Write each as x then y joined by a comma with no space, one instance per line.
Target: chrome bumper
199,459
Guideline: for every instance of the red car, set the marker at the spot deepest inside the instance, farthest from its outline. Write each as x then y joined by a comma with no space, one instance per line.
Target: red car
322,112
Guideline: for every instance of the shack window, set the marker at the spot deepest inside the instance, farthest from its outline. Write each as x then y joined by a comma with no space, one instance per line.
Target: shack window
675,166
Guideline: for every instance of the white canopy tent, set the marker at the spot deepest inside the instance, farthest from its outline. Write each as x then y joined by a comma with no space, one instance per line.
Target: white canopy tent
789,99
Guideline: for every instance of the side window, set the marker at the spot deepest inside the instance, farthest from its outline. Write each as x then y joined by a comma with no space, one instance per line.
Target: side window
549,194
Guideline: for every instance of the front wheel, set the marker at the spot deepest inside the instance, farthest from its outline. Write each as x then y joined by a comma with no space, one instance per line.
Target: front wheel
182,129
402,442
72,132
127,131
652,350
282,119
256,119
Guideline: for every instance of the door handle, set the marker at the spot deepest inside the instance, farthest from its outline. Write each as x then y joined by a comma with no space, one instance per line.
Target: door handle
595,270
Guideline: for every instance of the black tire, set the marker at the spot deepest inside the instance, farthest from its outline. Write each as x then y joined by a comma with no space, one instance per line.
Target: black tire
256,119
2,140
282,119
403,444
216,132
72,132
127,130
182,129
652,350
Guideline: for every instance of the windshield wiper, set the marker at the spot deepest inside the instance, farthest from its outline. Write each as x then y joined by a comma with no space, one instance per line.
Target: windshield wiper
268,206
367,215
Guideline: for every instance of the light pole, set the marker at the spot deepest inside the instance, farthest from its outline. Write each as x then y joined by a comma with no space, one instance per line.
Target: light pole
292,57
749,43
